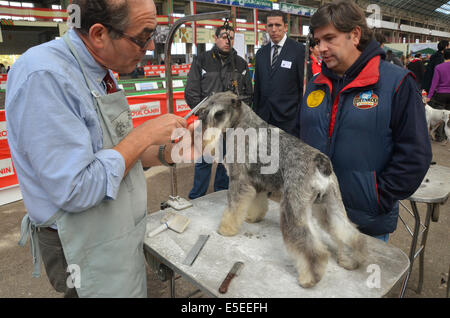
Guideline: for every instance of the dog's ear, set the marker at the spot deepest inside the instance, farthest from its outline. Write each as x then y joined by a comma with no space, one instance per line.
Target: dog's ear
236,102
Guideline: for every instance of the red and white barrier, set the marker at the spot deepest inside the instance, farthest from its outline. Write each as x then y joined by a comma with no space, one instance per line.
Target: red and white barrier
145,107
157,70
3,78
9,185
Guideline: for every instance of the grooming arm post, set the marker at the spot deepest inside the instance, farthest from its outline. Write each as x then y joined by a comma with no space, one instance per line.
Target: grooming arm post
169,86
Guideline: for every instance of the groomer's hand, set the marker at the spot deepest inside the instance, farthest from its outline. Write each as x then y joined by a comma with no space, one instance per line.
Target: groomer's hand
186,150
153,132
160,129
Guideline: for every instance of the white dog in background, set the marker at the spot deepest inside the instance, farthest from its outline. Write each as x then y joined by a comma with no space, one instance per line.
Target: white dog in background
435,117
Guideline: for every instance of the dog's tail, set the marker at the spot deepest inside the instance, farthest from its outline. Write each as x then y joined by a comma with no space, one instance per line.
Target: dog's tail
323,164
321,180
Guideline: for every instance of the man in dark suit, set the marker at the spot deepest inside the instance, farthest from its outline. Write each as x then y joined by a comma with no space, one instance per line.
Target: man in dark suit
279,73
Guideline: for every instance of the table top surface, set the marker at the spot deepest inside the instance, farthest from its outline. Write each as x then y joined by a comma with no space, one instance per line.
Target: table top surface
268,271
435,187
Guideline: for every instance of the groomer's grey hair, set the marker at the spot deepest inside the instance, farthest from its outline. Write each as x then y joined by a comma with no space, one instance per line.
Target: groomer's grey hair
110,13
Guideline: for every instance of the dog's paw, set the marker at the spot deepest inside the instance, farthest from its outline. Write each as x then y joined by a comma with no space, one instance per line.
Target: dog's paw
347,262
227,230
253,219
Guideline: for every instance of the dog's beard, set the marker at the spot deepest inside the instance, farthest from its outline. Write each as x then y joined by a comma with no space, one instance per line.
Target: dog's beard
211,140
209,144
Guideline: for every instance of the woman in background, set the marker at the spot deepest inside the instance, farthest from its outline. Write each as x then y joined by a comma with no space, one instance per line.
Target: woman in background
439,94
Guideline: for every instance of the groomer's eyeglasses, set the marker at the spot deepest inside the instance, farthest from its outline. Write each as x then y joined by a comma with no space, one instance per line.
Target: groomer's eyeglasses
142,44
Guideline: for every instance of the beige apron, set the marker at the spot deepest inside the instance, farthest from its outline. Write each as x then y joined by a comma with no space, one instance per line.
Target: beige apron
105,241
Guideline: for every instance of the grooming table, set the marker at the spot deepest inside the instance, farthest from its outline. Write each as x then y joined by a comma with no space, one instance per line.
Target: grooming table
268,270
433,191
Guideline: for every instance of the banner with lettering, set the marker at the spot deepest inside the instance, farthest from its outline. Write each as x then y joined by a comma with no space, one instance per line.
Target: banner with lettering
8,177
145,107
297,9
157,70
3,78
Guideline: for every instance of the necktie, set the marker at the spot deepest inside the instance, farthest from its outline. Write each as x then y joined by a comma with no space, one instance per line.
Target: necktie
110,85
275,55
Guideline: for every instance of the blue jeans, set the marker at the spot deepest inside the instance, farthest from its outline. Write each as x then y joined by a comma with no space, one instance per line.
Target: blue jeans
384,237
202,174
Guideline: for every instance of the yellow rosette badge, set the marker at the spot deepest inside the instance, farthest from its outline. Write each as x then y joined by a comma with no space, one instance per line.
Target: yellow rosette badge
315,98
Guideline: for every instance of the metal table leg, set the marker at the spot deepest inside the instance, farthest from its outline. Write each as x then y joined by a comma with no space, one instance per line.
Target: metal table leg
448,283
172,283
430,210
412,251
163,272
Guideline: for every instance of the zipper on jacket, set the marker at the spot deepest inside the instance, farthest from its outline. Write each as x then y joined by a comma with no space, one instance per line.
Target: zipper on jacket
331,129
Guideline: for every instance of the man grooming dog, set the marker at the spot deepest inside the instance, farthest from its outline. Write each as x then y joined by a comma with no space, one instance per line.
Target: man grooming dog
78,158
310,192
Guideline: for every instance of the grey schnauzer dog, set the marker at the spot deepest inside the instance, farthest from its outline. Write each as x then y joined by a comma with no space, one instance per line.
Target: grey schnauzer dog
311,203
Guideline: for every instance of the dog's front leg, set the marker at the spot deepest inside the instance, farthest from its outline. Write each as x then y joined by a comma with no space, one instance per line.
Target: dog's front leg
258,208
433,130
431,133
240,197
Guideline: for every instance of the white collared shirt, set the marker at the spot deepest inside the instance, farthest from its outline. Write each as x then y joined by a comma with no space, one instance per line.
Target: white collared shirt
280,44
55,134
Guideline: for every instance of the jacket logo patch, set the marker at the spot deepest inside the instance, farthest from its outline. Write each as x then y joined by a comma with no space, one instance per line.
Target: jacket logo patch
315,98
366,100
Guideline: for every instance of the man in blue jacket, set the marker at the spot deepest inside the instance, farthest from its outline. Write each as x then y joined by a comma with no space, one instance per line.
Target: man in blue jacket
279,75
367,115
